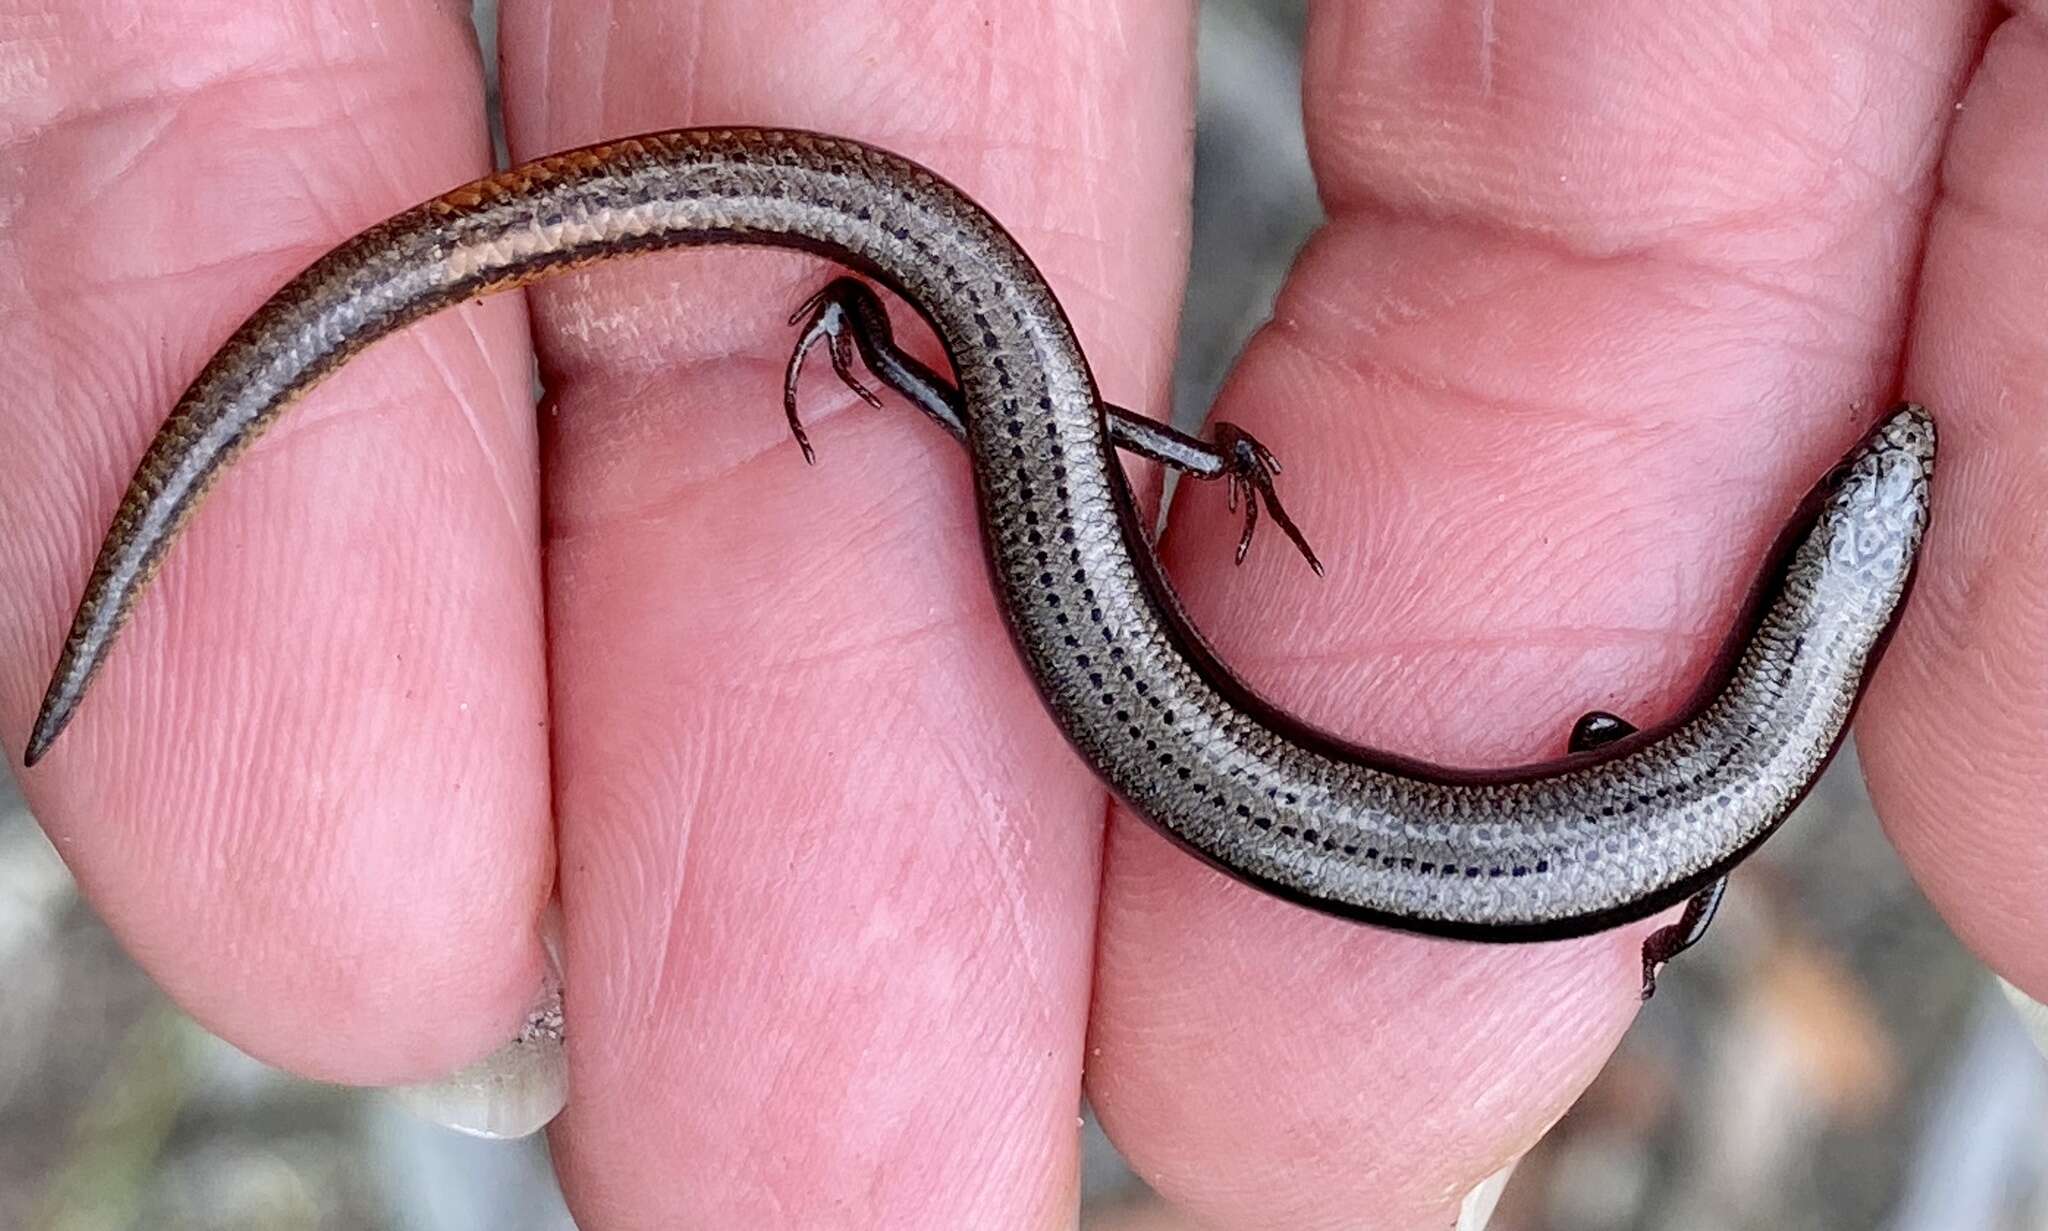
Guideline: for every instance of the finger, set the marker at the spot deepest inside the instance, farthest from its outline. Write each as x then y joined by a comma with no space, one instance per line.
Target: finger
1952,739
308,791
829,872
1602,291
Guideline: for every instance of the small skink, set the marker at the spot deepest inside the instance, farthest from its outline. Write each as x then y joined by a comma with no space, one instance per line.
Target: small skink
1624,825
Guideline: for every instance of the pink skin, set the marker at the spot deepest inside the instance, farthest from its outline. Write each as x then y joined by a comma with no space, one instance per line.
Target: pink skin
1604,287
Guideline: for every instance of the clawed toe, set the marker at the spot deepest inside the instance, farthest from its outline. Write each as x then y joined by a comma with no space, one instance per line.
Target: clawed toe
1251,470
824,319
842,363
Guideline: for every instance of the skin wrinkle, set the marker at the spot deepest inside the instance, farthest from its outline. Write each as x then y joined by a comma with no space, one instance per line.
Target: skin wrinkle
1591,638
26,64
286,115
638,383
1817,151
1486,43
874,649
605,70
227,269
1651,224
628,321
688,490
496,464
1823,314
1991,216
1297,335
52,333
331,222
992,840
1080,161
694,43
148,94
539,109
233,856
1822,311
1302,328
1518,556
822,401
655,865
140,146
353,105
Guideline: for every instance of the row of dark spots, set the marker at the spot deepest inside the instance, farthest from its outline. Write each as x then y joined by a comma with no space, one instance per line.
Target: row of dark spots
900,232
1097,678
1725,799
1301,834
1059,457
1046,580
1373,854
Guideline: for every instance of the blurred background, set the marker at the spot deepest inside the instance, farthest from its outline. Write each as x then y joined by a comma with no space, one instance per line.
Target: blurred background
1830,1059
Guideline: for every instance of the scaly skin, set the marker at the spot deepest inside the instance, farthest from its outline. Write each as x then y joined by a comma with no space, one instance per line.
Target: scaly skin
1548,850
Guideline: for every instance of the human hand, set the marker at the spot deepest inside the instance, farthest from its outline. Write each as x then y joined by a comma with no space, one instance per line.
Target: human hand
829,877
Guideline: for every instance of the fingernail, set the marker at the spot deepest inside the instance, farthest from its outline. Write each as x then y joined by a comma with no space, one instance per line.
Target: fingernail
517,1089
2033,1014
1477,1210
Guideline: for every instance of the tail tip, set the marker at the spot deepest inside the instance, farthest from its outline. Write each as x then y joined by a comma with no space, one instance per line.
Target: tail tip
49,725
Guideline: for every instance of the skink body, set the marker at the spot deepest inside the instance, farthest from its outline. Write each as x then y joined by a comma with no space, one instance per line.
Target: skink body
1564,847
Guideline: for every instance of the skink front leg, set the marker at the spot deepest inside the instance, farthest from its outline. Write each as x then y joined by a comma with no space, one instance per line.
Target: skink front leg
1668,942
847,314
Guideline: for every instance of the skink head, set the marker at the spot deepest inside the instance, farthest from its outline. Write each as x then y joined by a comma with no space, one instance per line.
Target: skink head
1872,515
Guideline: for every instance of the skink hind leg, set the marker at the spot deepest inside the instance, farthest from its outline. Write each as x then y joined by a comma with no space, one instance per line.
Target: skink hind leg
847,314
1597,729
827,325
